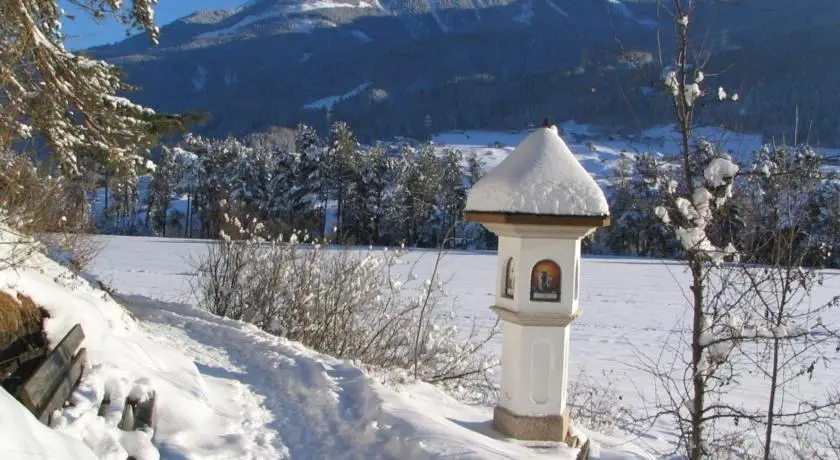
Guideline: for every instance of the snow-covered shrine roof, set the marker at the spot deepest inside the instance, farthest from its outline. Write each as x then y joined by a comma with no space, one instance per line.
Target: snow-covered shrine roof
540,179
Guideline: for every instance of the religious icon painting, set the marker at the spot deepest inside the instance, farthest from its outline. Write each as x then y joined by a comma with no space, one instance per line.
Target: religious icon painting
510,278
545,281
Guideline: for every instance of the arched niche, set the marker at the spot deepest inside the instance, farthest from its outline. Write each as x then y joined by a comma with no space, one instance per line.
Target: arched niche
545,281
510,279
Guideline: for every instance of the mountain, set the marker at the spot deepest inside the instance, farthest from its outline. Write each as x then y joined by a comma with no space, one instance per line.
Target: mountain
412,67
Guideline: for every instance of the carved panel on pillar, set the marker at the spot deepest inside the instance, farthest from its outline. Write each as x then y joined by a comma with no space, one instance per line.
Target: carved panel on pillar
510,279
541,372
545,281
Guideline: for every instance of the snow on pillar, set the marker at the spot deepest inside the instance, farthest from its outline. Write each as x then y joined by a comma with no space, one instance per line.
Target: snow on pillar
541,203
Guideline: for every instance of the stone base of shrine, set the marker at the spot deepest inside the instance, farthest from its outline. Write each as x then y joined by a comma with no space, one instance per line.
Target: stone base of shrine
527,428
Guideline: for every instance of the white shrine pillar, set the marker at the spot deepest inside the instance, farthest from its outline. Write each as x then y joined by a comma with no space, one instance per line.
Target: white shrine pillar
541,203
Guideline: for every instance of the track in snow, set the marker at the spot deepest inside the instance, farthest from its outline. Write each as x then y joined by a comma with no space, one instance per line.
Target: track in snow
319,407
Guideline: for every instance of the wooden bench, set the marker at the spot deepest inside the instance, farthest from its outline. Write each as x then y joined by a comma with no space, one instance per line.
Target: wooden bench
52,383
20,358
50,386
138,414
584,451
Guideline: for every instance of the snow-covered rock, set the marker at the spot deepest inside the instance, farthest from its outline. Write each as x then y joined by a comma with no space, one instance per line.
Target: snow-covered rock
541,176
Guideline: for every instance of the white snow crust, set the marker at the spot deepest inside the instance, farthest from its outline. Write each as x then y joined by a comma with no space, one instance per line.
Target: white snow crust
556,8
720,172
541,176
330,101
24,437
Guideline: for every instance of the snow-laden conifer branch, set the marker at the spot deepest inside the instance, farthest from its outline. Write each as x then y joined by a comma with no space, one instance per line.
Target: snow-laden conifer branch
67,99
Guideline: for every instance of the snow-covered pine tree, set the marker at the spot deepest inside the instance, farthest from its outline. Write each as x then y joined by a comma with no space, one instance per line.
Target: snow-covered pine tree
306,138
475,234
213,190
312,182
780,192
366,196
164,180
453,193
426,192
70,101
190,173
340,168
247,177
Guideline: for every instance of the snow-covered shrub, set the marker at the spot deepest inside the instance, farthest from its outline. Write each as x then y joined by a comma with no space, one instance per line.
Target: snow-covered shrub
596,404
348,303
33,202
74,250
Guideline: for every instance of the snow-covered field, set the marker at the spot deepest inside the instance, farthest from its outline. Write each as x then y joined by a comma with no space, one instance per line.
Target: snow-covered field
224,389
228,390
153,275
631,308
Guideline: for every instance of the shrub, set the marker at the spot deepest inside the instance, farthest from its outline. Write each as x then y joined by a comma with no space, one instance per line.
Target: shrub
74,250
596,404
34,202
346,303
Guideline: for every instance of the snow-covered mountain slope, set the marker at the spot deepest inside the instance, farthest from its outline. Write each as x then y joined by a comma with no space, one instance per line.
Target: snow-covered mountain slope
476,63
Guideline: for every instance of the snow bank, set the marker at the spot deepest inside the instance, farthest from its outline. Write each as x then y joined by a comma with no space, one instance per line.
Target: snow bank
541,176
24,437
124,360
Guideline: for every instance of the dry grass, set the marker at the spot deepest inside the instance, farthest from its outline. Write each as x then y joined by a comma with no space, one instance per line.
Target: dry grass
34,202
18,317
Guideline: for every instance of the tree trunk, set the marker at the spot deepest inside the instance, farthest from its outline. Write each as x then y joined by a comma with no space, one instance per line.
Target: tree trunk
771,406
189,213
339,231
165,209
696,449
105,209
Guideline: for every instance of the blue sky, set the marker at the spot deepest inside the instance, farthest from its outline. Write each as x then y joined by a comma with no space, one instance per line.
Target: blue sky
84,32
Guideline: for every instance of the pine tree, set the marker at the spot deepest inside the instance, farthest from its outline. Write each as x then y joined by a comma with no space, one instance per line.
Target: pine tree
247,177
368,195
190,173
479,236
427,216
164,180
340,168
70,101
453,194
